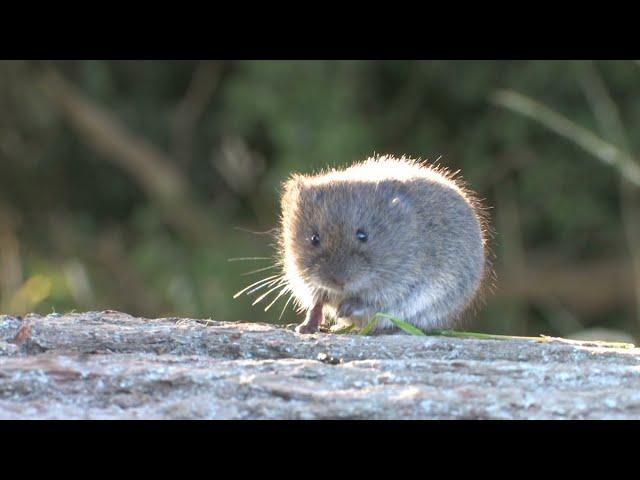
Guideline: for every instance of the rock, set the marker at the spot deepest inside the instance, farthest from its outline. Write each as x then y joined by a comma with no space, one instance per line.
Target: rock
111,365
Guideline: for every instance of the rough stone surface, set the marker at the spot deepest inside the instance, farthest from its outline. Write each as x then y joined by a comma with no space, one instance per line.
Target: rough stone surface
99,365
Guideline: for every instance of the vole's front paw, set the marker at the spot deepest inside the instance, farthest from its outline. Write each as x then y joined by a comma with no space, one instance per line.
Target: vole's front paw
313,320
307,327
351,307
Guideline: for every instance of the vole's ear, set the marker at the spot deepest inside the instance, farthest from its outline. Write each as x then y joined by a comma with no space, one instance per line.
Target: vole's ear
396,195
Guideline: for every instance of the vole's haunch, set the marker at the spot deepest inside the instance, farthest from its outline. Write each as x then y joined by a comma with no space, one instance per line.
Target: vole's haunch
385,235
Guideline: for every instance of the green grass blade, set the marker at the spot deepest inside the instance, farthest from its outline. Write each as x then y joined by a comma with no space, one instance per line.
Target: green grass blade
484,336
410,329
369,327
402,325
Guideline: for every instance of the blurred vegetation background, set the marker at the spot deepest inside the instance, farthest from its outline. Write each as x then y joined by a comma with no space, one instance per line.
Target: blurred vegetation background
129,184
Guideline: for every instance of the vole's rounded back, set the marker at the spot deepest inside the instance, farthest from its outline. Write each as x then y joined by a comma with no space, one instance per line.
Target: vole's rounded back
385,235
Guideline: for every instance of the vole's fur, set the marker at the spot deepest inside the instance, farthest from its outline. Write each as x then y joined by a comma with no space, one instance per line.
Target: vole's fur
421,255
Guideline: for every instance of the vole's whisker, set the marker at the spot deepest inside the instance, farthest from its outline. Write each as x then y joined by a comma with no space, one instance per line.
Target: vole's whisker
254,284
282,292
285,306
237,259
260,287
259,270
259,299
266,232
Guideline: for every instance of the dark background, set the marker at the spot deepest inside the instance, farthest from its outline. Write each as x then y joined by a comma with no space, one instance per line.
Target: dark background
129,184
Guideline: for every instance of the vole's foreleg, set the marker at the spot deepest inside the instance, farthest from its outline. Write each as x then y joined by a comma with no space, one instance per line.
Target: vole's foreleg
312,321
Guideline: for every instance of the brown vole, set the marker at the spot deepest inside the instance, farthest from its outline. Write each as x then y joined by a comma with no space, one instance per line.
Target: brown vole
385,235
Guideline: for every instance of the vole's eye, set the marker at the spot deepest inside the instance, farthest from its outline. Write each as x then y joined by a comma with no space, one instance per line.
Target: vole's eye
315,239
362,235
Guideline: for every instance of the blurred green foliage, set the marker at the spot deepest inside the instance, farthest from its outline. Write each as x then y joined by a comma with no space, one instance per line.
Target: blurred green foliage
82,230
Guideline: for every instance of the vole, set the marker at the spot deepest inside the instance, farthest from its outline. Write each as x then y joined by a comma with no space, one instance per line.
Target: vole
385,235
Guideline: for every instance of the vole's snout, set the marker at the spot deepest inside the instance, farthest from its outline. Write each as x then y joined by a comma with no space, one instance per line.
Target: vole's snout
333,278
